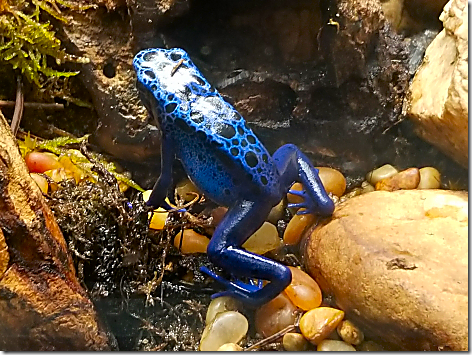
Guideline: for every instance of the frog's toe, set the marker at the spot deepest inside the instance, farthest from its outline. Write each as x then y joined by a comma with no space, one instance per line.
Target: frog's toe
302,212
301,193
235,288
297,205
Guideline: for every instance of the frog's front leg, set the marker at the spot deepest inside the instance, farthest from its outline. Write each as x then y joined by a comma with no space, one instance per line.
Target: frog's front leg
294,166
224,250
159,191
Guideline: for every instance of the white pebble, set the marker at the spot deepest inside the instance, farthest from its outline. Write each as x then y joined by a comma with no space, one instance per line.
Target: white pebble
334,345
230,347
381,173
220,305
227,327
430,178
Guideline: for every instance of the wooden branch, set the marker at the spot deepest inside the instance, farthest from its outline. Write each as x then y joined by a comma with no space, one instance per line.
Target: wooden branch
42,305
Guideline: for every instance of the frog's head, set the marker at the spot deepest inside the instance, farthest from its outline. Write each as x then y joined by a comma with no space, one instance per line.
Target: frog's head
168,76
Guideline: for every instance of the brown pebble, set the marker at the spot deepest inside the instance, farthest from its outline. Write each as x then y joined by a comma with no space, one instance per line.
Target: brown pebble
275,315
294,342
405,180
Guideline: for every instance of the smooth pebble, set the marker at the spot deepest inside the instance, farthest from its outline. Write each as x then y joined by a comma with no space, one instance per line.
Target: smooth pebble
275,315
303,291
294,198
381,173
191,242
41,181
186,190
333,180
430,178
220,305
39,162
294,231
294,342
276,213
405,180
227,327
334,345
230,347
265,239
158,219
318,323
350,333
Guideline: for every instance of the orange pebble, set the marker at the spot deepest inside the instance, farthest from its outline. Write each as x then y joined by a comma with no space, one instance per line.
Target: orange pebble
294,198
192,242
39,162
404,180
303,291
333,180
294,231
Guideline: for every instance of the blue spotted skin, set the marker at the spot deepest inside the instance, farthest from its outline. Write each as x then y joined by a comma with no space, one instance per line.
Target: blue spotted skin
228,163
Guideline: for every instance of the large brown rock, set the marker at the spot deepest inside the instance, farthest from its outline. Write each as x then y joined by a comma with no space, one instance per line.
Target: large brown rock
438,101
42,304
396,263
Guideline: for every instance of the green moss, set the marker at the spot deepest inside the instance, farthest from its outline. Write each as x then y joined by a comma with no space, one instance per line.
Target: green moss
26,42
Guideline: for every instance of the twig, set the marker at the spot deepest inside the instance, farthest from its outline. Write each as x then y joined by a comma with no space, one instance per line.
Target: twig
34,105
19,105
272,338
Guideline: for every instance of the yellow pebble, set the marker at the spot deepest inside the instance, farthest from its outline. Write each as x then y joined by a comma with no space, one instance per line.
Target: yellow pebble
230,347
41,181
186,190
192,242
318,323
265,239
158,220
430,178
350,333
381,173
294,231
57,175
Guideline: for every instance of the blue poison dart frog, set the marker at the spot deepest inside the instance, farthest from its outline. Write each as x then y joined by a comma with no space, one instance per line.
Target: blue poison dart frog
227,162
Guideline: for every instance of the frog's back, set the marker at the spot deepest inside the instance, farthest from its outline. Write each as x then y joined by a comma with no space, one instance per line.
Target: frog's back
220,153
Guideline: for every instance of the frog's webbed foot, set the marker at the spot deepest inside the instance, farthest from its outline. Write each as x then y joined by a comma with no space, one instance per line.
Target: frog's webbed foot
236,287
307,206
293,166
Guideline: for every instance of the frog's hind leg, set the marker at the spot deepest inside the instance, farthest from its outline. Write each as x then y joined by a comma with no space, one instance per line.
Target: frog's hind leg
239,223
294,166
